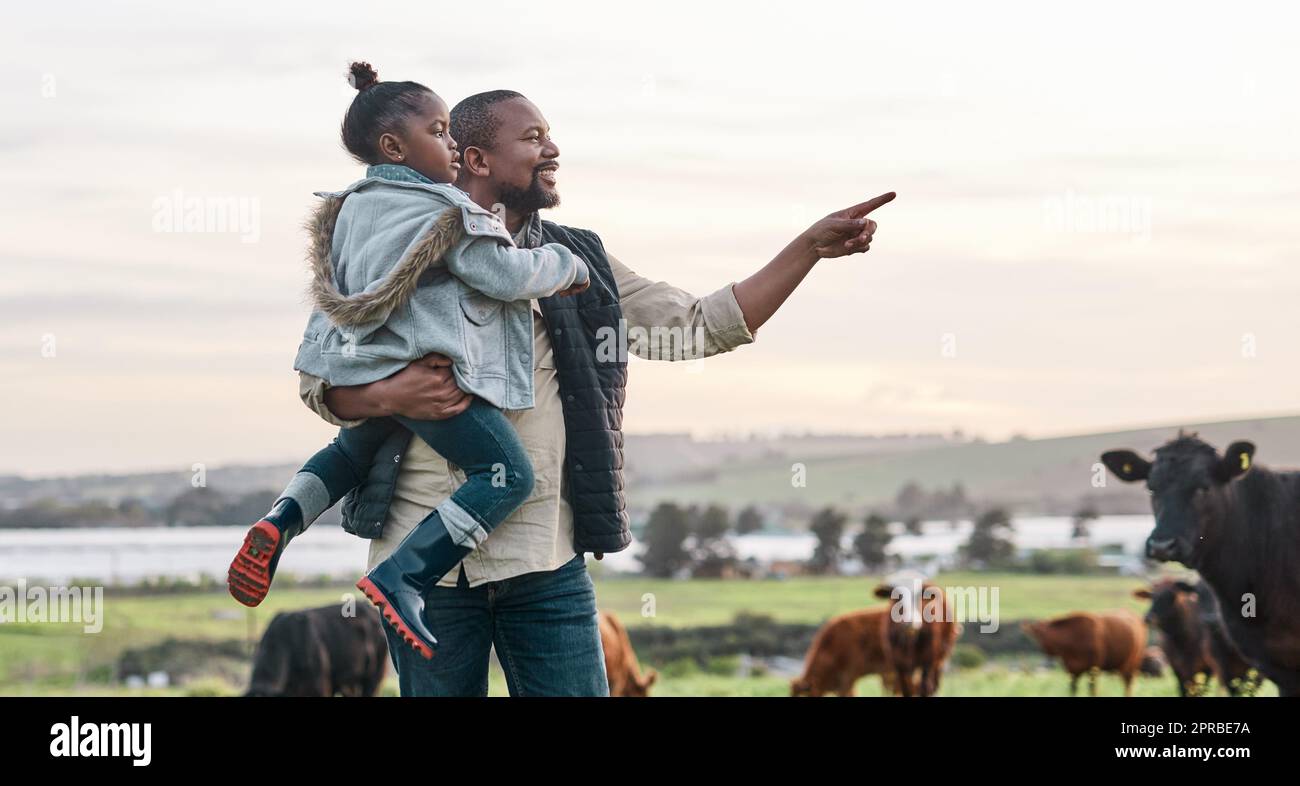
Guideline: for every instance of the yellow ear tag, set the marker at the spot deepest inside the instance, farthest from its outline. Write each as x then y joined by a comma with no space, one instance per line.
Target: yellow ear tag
1245,461
1128,468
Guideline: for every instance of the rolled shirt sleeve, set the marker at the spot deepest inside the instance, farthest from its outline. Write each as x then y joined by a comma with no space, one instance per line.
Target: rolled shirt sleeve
311,389
710,325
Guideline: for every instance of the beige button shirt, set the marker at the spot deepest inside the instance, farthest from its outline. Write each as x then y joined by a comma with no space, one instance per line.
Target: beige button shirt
539,534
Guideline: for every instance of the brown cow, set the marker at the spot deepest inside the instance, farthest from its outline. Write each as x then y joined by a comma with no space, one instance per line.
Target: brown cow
1236,523
918,636
1112,641
1191,634
848,647
621,666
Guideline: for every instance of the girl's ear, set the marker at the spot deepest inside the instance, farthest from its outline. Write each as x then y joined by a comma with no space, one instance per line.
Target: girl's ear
475,162
390,147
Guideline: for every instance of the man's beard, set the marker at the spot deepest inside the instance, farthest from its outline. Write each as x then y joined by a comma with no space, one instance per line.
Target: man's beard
529,200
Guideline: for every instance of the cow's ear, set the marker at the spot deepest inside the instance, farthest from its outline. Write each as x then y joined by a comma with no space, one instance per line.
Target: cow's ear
1144,593
883,591
1126,465
1236,461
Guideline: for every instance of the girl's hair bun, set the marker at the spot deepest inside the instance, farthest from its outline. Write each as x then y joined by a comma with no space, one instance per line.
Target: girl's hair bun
361,75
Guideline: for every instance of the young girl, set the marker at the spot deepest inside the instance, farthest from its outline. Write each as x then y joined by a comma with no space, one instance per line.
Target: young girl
404,265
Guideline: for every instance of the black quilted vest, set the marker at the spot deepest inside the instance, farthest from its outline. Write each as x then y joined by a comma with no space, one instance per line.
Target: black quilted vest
592,391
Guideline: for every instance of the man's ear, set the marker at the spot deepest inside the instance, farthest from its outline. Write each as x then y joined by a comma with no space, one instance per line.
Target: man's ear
473,160
1144,594
1236,461
1126,465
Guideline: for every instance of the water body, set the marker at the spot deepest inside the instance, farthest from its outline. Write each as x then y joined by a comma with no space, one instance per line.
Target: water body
126,555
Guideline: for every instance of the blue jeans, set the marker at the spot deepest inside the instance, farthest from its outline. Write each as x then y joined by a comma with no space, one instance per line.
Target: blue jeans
543,625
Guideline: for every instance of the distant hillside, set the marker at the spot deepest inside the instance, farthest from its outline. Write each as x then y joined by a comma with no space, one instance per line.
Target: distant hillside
152,488
851,471
1032,475
649,458
669,458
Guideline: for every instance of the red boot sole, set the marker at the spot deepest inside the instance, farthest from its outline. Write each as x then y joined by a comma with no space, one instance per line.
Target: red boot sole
249,578
375,596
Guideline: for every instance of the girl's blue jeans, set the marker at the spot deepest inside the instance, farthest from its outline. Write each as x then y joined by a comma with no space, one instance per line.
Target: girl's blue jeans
480,440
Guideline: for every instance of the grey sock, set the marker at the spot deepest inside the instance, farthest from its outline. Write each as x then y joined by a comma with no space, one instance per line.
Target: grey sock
311,495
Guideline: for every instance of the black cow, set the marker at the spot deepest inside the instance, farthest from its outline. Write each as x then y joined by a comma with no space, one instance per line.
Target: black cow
1192,636
321,652
1238,525
1153,663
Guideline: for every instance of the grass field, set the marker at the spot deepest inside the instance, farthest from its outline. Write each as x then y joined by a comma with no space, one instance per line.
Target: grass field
45,659
814,599
1027,679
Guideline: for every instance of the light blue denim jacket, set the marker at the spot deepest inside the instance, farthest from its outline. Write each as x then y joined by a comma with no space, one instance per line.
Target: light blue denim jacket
402,268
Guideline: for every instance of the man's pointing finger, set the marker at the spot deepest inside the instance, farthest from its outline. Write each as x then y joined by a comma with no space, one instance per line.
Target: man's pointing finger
857,211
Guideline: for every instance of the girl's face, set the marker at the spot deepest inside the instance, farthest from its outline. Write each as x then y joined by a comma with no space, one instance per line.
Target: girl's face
425,143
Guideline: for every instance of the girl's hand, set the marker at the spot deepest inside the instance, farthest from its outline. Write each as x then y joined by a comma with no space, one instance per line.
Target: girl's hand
846,231
575,289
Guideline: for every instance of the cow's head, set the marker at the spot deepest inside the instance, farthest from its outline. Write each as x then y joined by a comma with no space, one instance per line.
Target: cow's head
1053,636
800,686
1172,602
639,685
1180,480
1034,630
913,600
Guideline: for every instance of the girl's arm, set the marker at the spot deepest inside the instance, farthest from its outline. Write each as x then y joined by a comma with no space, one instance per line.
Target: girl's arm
504,272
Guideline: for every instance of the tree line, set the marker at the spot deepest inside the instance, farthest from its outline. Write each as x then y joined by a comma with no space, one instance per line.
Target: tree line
194,507
693,540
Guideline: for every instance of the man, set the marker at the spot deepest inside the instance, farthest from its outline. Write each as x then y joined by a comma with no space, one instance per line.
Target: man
526,589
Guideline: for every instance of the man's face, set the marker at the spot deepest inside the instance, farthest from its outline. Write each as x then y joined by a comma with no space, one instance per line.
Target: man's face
523,159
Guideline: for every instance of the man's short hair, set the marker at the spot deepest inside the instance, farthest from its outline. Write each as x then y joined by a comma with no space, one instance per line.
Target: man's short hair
474,124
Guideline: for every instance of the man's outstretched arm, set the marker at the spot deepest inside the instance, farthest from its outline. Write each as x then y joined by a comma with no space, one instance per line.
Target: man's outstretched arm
843,232
727,318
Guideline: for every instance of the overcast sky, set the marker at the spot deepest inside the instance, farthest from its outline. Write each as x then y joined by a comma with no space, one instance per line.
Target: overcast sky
1095,225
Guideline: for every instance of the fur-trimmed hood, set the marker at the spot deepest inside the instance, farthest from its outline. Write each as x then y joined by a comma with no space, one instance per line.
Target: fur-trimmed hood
396,287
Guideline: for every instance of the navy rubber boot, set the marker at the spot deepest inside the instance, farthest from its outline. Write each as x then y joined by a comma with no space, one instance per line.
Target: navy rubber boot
398,584
254,565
